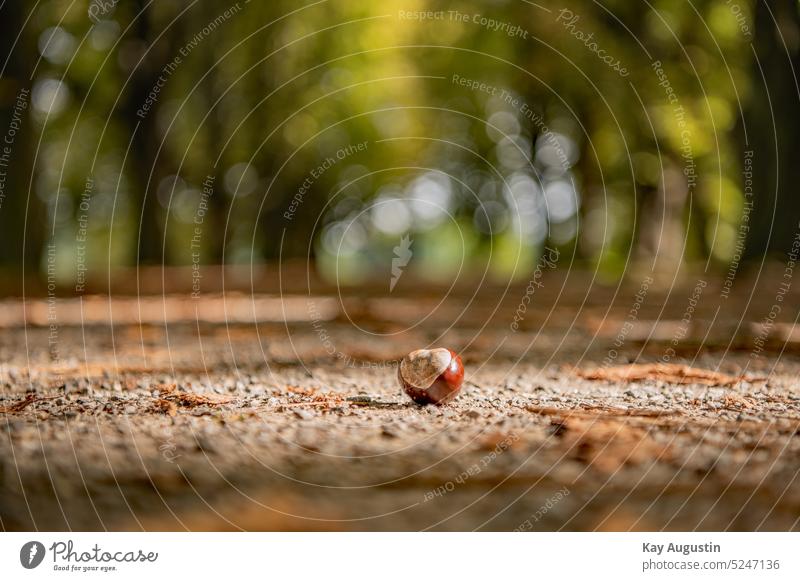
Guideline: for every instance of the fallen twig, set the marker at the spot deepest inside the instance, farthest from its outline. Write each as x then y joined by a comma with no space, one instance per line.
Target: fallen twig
600,412
20,405
668,372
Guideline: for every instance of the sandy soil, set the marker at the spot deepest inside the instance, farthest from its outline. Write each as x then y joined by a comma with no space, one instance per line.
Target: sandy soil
294,420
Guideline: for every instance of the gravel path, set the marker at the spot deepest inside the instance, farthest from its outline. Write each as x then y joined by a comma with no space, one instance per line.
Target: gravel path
301,425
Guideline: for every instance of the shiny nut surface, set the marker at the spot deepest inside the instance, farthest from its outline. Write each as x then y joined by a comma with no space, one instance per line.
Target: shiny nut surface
431,376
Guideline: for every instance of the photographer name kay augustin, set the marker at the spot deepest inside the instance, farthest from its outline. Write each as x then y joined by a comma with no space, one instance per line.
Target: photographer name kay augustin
683,549
65,553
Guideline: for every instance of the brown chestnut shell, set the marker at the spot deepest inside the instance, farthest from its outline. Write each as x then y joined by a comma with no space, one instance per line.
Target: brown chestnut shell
431,376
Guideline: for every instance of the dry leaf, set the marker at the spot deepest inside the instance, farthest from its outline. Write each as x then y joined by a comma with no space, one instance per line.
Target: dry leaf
736,401
302,391
312,397
166,406
171,395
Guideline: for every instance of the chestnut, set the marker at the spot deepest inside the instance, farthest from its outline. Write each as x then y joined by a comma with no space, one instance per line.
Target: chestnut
431,375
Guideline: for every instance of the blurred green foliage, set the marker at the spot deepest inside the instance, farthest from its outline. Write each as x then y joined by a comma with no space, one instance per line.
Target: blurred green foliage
488,129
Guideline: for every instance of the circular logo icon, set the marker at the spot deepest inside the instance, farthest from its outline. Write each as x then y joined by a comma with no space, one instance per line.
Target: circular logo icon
31,554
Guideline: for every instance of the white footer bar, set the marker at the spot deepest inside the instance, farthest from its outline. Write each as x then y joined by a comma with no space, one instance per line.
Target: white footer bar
405,556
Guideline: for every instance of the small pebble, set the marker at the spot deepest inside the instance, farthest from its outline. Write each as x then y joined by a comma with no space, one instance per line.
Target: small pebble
303,414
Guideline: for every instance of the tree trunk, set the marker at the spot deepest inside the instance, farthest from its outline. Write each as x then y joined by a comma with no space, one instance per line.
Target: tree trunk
22,216
772,130
145,165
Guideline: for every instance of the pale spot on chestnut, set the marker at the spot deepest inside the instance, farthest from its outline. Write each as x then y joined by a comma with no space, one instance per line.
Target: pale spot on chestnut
431,375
